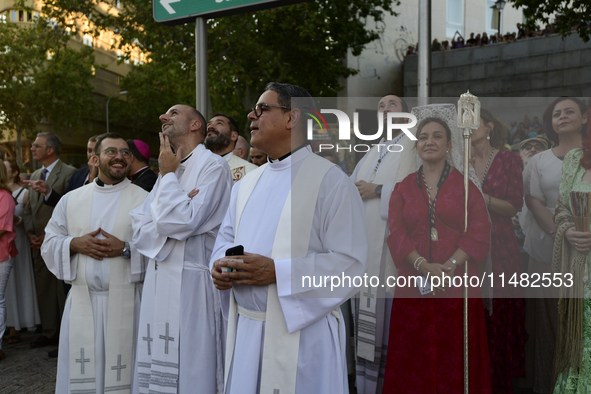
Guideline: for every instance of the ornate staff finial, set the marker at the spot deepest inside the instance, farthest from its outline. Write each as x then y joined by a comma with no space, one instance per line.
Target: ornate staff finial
468,112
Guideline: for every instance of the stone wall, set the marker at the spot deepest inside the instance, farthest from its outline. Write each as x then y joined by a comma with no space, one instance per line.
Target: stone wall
535,67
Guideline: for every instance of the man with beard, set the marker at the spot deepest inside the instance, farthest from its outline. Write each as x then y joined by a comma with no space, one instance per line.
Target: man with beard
374,177
88,242
180,332
222,134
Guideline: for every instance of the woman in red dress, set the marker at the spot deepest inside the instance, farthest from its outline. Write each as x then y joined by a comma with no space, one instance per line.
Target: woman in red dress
426,219
502,184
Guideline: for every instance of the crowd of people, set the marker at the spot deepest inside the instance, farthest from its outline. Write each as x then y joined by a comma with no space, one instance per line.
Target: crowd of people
192,279
477,39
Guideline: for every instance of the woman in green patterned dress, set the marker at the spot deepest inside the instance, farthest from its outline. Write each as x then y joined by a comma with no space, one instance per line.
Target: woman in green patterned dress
572,360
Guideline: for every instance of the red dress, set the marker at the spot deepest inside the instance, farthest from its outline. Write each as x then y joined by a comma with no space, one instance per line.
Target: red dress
426,345
506,327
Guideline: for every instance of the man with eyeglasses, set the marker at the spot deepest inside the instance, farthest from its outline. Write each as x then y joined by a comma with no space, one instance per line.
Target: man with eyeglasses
310,222
531,147
180,327
221,139
47,185
88,242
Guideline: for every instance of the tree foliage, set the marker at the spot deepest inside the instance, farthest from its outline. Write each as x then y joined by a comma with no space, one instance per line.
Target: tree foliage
303,44
567,14
42,79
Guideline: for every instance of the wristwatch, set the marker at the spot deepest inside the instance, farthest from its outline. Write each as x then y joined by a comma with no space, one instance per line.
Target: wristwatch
454,262
126,252
378,190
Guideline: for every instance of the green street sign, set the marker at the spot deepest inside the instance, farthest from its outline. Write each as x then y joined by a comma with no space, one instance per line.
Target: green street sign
174,12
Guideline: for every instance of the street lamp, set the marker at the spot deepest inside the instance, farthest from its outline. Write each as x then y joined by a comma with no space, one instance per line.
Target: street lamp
500,4
114,94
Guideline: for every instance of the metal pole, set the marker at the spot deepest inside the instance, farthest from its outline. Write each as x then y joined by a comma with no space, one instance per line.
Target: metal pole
424,70
467,156
499,22
201,65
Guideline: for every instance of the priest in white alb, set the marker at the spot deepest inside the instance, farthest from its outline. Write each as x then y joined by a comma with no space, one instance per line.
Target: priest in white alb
180,333
284,334
375,176
88,242
221,139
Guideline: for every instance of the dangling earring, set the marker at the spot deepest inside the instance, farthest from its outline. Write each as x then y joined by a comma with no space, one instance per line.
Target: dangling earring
488,137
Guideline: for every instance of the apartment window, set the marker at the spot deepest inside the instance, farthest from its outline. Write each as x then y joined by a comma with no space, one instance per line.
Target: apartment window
29,17
21,16
118,4
14,16
87,40
455,17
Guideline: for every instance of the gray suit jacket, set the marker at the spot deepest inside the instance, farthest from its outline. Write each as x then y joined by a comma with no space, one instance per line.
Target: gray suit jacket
37,213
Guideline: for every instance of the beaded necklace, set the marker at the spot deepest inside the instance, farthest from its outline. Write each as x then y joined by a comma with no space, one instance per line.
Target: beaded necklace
383,154
434,236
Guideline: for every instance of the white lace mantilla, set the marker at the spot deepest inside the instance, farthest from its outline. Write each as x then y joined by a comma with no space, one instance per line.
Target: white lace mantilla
410,161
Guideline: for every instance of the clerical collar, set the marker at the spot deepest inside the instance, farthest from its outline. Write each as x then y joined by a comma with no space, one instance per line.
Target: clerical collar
187,158
102,184
290,153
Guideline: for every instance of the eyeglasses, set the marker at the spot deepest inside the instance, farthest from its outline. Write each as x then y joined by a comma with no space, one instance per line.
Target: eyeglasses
258,109
530,146
36,146
112,152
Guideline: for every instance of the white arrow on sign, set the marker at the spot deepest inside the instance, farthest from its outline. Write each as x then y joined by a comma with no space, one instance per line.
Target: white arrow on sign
167,7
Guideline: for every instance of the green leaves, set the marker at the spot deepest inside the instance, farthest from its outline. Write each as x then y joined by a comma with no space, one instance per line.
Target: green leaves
304,44
570,15
42,79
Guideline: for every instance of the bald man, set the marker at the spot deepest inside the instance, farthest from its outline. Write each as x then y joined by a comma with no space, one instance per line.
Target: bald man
373,177
176,229
241,148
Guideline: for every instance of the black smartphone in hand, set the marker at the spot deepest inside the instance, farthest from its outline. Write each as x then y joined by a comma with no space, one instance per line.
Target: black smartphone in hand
237,250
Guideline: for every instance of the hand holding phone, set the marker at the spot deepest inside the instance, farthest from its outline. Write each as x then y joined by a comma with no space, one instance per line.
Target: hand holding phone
237,250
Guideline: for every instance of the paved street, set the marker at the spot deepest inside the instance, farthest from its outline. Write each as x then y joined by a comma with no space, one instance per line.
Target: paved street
27,370
30,371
